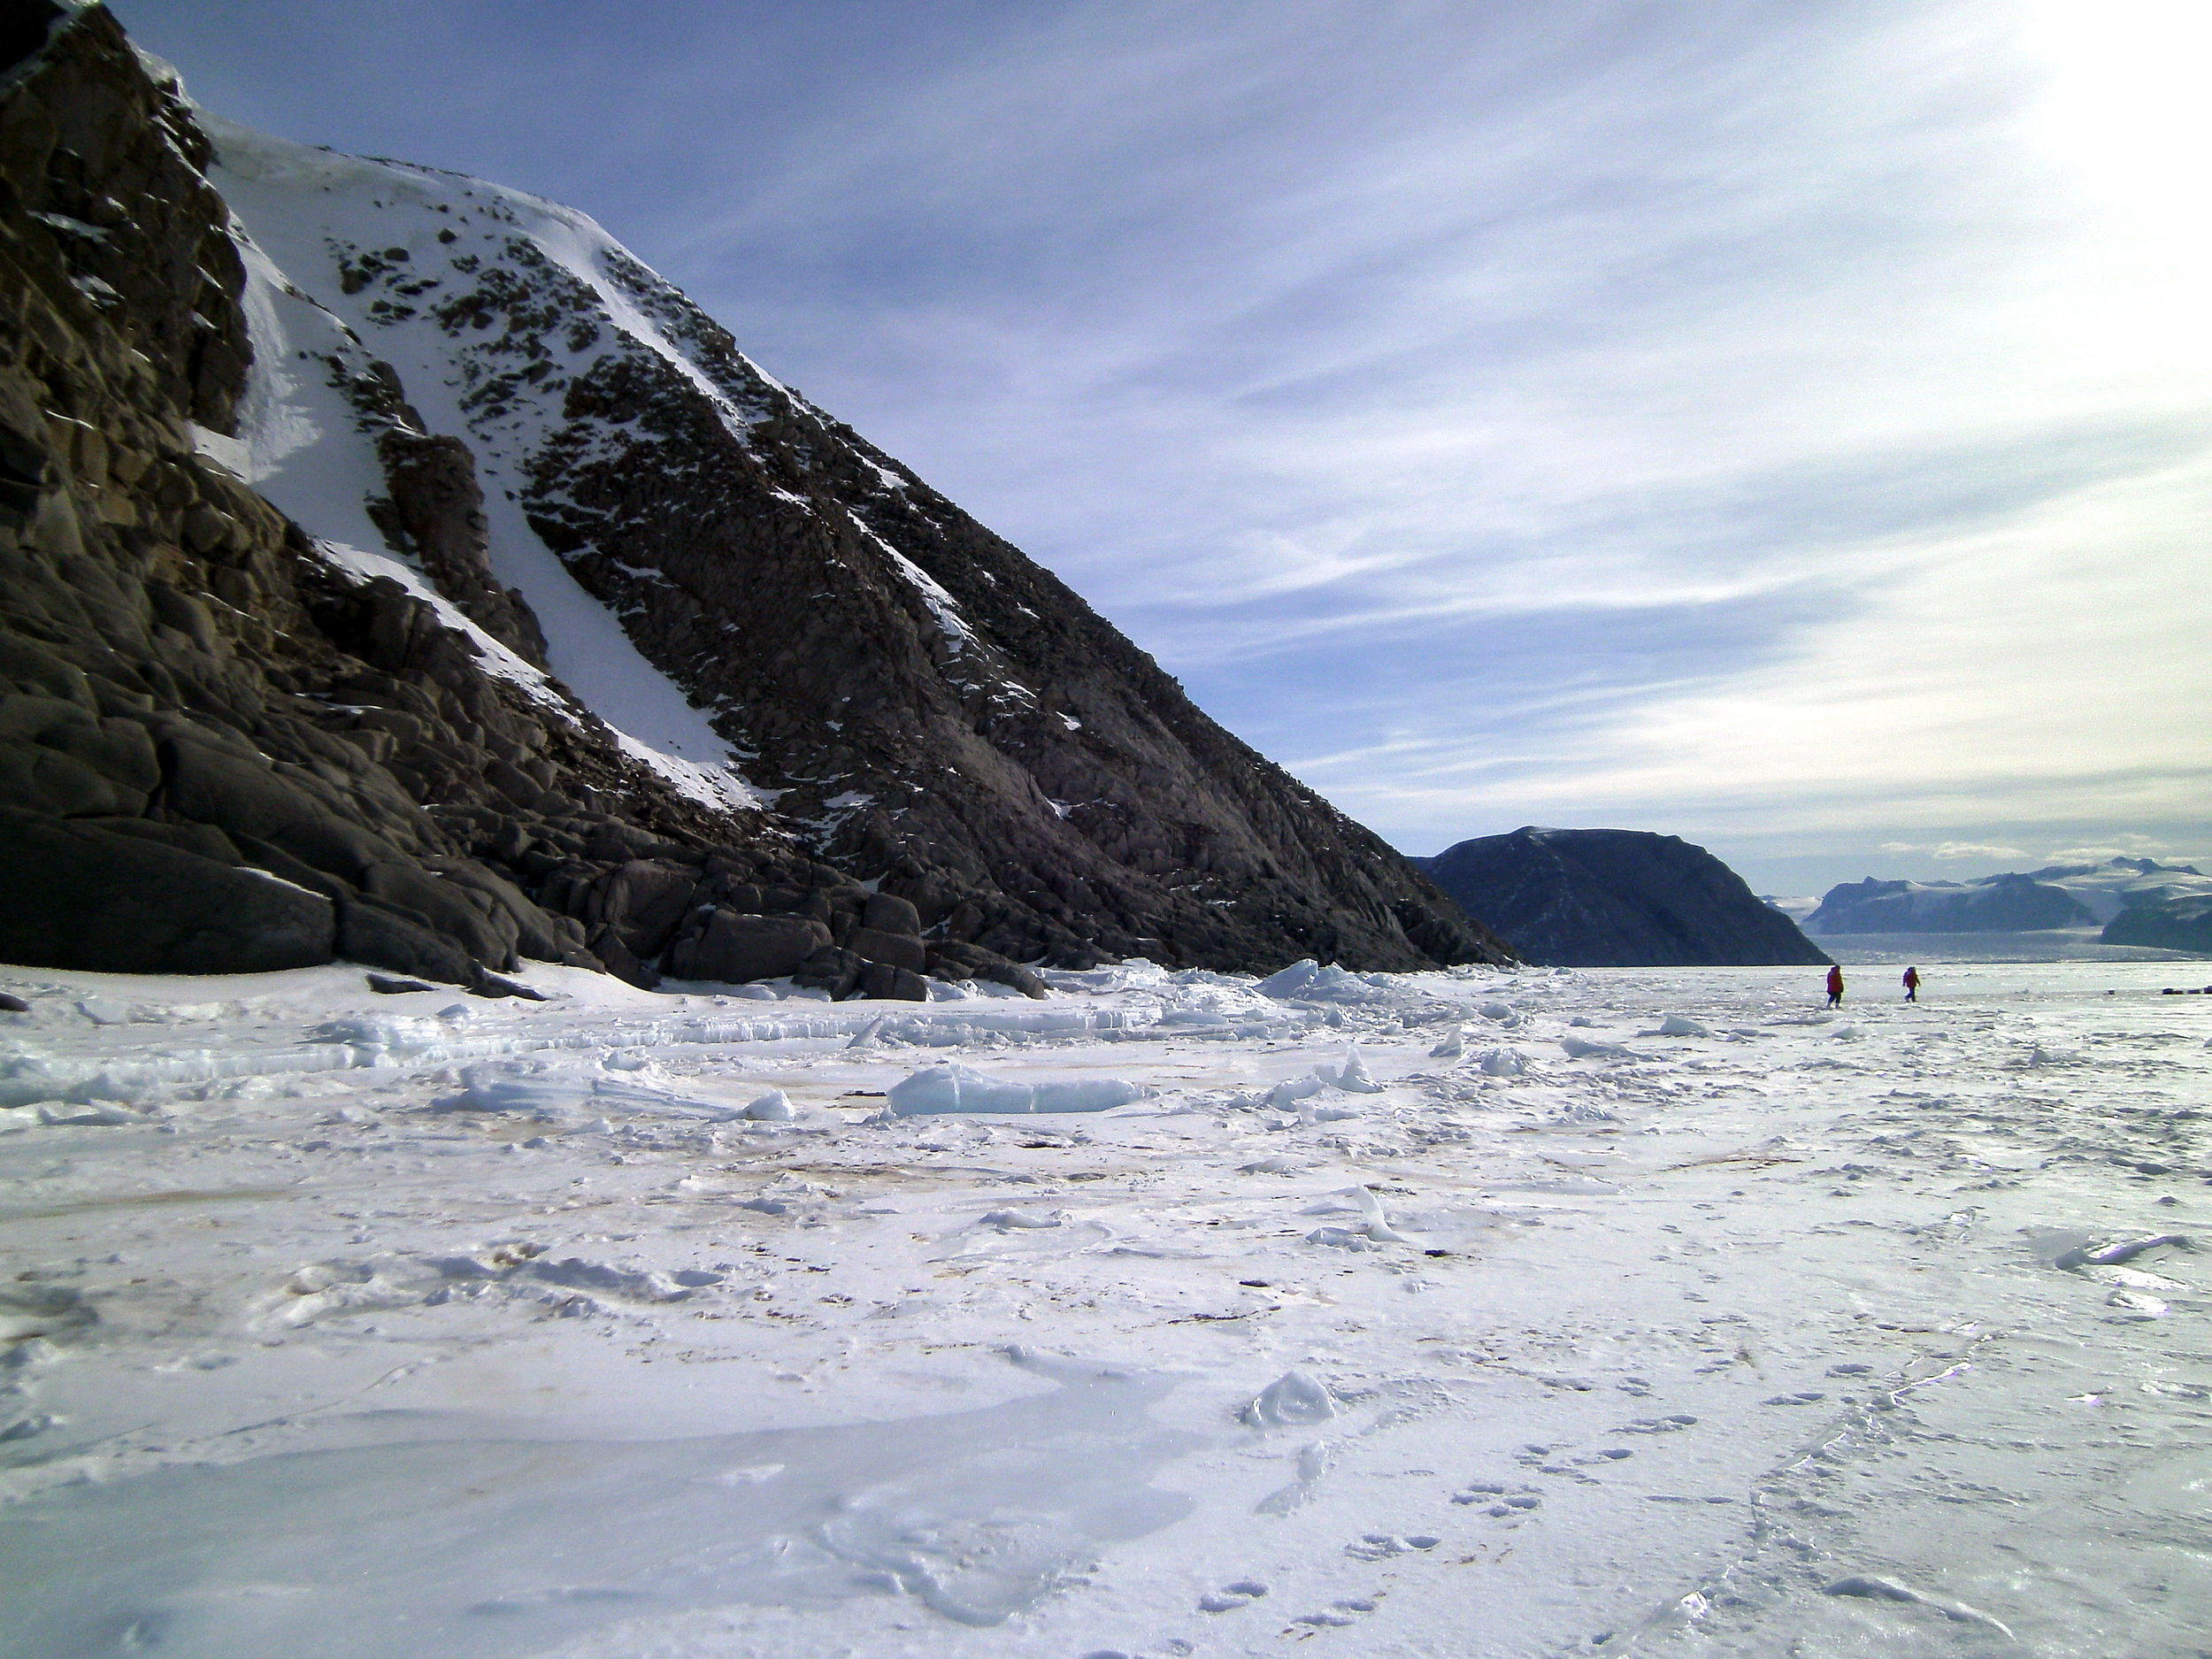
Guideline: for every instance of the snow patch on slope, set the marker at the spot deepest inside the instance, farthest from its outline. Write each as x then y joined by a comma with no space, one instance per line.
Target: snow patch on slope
299,445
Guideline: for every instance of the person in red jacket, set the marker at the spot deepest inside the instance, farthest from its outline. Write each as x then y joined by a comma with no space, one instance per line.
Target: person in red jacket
1912,985
1835,985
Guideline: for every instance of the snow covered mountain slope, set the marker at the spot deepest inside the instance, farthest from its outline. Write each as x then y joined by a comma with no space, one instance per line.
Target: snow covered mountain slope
397,568
910,687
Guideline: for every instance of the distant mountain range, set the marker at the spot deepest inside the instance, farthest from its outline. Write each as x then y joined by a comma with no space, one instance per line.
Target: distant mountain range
2132,901
1616,898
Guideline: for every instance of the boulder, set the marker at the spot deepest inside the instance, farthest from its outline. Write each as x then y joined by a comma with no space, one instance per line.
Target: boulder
884,982
891,914
216,784
376,936
898,950
73,895
446,908
952,960
832,969
732,949
645,900
46,780
616,957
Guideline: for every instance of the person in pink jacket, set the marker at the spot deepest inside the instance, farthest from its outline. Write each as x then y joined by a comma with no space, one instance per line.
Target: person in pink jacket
1835,985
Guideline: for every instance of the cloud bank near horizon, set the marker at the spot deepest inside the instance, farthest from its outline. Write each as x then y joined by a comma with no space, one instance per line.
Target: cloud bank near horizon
1789,424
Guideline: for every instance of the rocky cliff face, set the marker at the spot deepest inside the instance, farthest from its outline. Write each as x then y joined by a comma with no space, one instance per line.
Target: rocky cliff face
1616,898
395,568
2180,923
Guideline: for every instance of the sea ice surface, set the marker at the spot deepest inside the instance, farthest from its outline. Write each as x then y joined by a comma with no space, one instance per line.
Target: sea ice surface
691,1325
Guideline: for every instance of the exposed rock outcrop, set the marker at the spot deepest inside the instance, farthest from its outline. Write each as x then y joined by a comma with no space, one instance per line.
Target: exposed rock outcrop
1616,898
2176,924
276,727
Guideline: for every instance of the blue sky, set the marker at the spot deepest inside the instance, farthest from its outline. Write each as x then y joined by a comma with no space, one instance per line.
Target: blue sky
1787,425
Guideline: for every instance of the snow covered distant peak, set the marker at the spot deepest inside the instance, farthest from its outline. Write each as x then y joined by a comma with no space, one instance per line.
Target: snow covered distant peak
2057,897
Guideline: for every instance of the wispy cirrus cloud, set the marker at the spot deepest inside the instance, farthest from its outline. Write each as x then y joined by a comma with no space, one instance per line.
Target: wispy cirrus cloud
1787,422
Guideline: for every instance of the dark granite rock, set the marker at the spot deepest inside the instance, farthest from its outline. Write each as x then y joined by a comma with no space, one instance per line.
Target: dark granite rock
889,913
951,960
884,982
734,949
73,895
1616,898
901,950
645,900
384,985
376,935
435,512
832,969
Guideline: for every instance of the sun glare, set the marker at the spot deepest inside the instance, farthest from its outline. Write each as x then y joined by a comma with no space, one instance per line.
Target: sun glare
2123,106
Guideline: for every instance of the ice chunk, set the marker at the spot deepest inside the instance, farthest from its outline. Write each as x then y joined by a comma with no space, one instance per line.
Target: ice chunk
94,1113
774,1107
1292,1399
1866,1587
959,1088
1501,1013
1453,1046
553,1097
1012,1220
1290,981
1286,1094
1583,1049
1314,983
1683,1026
1504,1062
1351,1077
1340,1238
1377,1227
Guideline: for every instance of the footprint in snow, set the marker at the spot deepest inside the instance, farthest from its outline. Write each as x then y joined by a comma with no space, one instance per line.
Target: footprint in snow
1810,1397
1499,1501
1236,1593
1671,1424
1339,1614
1382,1546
